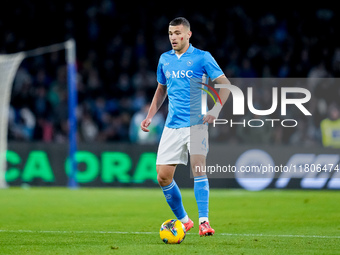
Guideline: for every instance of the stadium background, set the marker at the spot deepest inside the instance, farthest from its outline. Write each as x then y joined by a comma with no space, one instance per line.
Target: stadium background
118,47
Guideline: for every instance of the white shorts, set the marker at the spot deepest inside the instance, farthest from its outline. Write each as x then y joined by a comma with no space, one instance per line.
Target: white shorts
175,144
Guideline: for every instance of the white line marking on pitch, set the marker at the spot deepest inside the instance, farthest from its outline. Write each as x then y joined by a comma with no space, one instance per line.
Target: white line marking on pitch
148,233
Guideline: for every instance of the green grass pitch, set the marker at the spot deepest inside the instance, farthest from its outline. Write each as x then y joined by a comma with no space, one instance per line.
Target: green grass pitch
127,221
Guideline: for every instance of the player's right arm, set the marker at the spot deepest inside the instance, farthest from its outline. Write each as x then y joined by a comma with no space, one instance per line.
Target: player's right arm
157,101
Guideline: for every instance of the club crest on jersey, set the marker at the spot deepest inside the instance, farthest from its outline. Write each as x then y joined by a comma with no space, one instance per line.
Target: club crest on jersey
189,63
179,74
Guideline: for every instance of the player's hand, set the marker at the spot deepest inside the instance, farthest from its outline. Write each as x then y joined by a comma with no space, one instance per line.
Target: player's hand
212,114
208,118
145,123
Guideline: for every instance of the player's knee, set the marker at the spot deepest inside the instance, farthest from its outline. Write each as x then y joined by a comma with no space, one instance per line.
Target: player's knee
198,168
165,174
163,180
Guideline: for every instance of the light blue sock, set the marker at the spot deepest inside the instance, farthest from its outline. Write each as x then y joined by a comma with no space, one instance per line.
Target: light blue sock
201,189
174,198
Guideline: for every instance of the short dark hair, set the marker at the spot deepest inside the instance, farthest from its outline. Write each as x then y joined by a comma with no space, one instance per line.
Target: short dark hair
180,21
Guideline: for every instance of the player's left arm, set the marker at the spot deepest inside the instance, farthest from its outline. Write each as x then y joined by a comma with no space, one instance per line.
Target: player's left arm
224,94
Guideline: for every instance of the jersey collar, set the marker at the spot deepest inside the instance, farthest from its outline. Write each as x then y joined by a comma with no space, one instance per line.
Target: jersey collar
189,50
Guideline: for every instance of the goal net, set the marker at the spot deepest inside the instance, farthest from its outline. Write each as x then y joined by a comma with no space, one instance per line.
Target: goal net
9,64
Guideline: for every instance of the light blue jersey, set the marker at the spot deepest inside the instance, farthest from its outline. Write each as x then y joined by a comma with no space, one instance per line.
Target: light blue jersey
177,73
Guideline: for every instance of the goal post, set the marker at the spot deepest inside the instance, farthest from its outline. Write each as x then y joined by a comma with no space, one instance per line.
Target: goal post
72,105
8,67
9,64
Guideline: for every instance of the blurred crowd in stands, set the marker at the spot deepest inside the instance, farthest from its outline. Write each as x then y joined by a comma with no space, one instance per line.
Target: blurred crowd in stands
118,47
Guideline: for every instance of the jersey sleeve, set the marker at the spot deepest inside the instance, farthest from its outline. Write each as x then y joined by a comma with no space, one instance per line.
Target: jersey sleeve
160,74
210,66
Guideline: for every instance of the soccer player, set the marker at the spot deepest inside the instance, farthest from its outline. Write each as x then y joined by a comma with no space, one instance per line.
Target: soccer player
176,68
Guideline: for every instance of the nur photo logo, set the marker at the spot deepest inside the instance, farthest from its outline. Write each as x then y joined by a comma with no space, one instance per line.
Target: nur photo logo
282,97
